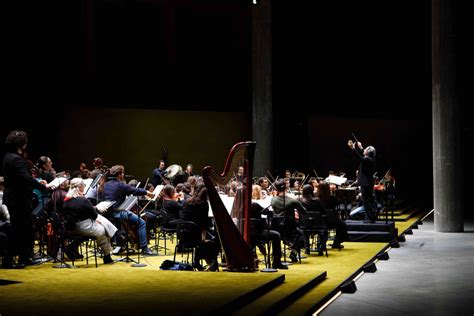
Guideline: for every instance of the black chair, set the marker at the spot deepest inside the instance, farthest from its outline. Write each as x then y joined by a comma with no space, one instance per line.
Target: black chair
188,237
159,219
315,227
334,223
166,230
84,241
256,230
289,234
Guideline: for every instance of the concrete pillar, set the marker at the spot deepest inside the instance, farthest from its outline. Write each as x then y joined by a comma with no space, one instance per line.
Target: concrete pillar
262,115
448,215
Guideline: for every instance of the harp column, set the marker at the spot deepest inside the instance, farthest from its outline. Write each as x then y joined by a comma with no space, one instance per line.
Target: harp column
262,115
448,215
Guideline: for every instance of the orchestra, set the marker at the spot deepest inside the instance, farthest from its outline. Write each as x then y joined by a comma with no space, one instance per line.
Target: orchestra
287,197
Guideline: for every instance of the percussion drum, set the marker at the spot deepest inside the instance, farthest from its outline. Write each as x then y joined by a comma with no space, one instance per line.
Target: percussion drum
173,171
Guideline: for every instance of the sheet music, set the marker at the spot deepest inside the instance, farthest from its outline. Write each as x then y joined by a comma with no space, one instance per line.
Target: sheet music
336,180
88,183
128,203
104,205
229,201
157,191
57,181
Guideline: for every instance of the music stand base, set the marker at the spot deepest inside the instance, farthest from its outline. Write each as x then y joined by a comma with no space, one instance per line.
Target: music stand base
125,260
65,266
138,265
268,270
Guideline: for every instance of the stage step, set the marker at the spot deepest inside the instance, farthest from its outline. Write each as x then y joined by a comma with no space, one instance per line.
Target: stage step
370,236
371,232
296,285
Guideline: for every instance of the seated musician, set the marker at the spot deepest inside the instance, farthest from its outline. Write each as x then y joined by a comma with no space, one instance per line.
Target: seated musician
284,207
330,202
196,210
312,204
390,189
159,174
296,190
187,173
258,193
265,185
314,183
232,188
170,205
263,233
45,167
116,190
240,176
85,220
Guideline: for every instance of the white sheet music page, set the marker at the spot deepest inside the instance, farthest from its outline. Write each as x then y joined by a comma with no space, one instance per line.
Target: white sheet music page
104,205
88,183
157,191
57,181
336,180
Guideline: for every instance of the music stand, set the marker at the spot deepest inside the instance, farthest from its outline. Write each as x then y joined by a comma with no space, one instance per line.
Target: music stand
126,206
60,257
345,195
156,192
93,185
268,267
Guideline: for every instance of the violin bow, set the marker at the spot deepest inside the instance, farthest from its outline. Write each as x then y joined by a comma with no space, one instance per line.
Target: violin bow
271,176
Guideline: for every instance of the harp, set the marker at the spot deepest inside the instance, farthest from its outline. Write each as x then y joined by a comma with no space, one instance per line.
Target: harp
233,229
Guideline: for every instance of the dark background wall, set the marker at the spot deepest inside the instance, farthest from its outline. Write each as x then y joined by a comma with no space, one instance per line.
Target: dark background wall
136,138
338,67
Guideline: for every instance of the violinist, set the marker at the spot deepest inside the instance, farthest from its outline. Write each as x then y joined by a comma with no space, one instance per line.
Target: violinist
314,183
171,206
297,188
45,167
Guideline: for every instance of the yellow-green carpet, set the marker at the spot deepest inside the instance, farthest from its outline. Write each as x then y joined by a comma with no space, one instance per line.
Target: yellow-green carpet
120,289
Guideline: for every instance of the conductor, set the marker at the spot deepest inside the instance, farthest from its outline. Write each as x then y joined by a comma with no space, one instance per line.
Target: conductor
365,178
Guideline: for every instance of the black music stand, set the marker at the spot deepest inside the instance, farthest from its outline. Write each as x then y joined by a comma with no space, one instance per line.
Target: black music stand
268,267
39,217
93,185
126,206
346,196
140,212
60,257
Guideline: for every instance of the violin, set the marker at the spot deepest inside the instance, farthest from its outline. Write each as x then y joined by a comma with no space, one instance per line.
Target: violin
178,196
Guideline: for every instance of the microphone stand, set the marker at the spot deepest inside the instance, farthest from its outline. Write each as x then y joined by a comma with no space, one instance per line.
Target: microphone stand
268,268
